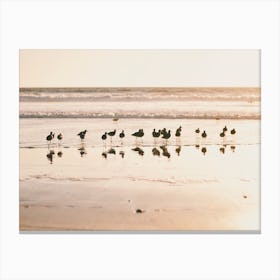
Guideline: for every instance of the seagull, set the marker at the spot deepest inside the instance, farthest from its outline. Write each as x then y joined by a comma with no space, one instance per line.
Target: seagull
197,130
225,129
233,131
204,135
222,134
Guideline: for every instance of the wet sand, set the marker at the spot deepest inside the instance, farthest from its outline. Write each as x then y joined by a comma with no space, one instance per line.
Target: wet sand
86,187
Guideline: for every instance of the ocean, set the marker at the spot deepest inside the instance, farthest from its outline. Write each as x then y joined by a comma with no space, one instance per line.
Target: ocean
171,103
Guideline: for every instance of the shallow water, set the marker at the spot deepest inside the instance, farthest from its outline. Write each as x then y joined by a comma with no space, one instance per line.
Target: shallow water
33,132
89,186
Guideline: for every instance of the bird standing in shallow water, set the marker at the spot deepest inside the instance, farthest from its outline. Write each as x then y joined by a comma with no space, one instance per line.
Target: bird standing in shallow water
139,133
197,130
104,136
111,134
82,134
222,134
59,137
50,137
233,131
166,135
156,134
178,132
122,135
225,129
204,135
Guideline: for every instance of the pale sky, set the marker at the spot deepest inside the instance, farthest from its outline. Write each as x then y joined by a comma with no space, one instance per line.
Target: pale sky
139,68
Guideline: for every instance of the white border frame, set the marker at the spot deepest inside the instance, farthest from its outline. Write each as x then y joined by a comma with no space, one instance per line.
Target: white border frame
140,24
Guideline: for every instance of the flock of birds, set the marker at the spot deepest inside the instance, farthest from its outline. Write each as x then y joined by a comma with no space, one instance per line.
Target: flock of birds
140,133
163,134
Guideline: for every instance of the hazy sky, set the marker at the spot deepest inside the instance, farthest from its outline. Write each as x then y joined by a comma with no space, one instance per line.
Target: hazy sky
90,68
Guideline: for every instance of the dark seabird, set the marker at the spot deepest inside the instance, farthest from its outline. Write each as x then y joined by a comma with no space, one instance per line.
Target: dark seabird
166,135
178,132
197,130
82,134
104,136
139,133
122,135
156,134
163,131
204,135
233,131
112,133
59,136
222,134
225,129
50,137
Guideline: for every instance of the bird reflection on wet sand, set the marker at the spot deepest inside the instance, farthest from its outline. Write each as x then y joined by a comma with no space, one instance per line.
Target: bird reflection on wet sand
165,152
82,149
178,150
139,150
204,150
112,151
156,152
122,154
50,156
222,150
59,154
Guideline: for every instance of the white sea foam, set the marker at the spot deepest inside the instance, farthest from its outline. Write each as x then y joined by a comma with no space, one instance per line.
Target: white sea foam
231,103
